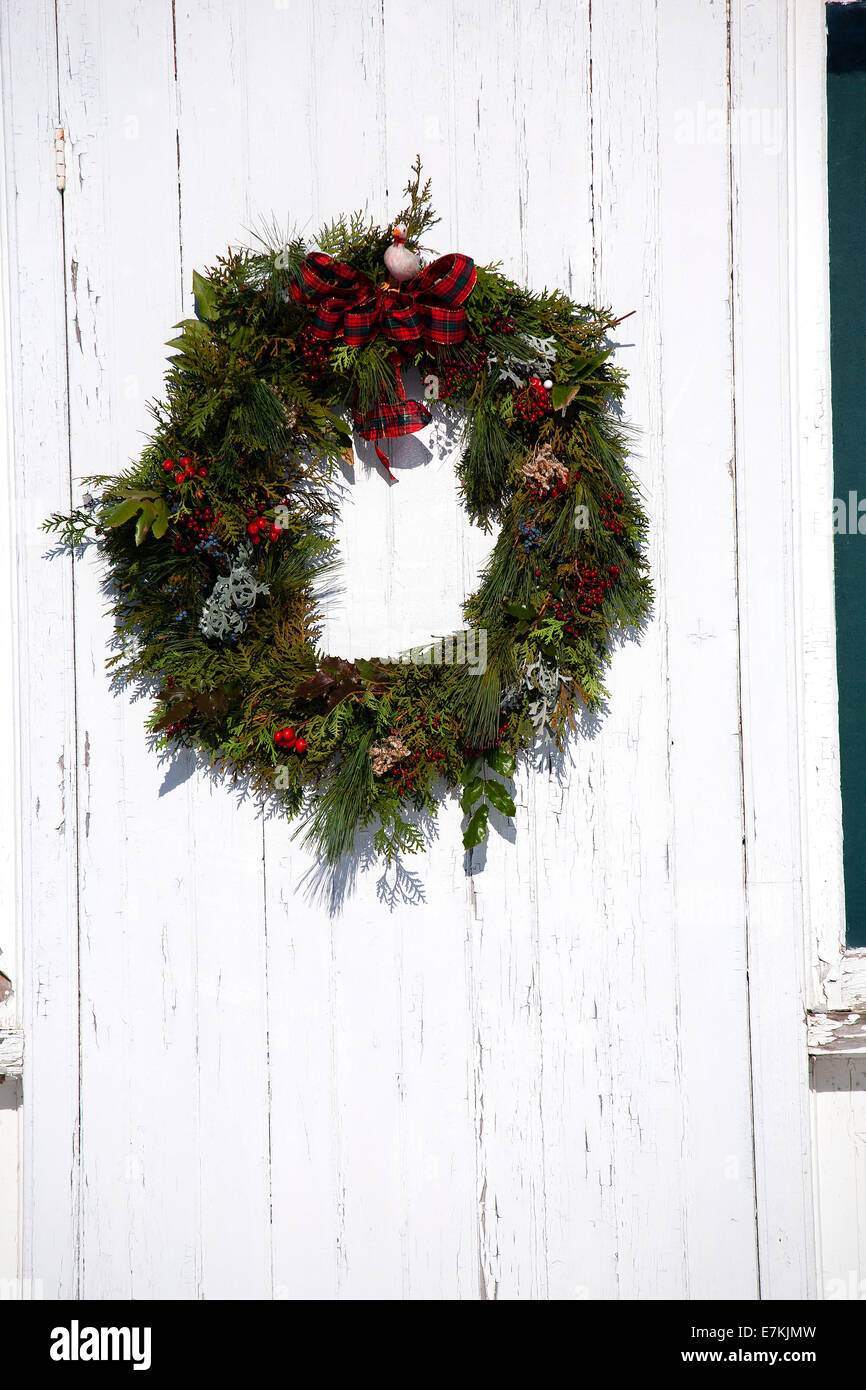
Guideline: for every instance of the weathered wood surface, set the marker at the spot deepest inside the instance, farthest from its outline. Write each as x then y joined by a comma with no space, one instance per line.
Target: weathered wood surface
840,1150
837,1031
11,1051
580,1070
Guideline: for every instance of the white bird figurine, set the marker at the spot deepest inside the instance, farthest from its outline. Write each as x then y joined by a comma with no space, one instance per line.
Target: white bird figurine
401,264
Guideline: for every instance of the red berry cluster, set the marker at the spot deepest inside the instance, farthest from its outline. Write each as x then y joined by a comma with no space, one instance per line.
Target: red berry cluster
560,613
501,323
177,728
196,526
531,402
456,378
184,470
259,525
315,351
591,586
609,511
287,738
408,777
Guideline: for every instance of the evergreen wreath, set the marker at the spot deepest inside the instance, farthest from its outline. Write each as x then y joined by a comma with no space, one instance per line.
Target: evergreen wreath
218,540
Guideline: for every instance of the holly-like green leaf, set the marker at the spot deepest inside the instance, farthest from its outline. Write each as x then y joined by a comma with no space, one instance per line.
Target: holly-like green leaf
563,394
124,512
471,769
142,526
160,519
339,425
476,830
473,790
205,296
336,678
502,762
372,671
500,798
518,610
241,337
192,328
179,709
565,391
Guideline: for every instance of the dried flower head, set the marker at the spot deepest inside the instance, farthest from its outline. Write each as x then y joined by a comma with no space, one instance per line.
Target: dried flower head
387,754
544,469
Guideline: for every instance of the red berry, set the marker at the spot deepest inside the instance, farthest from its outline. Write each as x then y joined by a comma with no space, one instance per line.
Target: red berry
275,533
202,472
186,461
289,734
301,745
167,465
178,478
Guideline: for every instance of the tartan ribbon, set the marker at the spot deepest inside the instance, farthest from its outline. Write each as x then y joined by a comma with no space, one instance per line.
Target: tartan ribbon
388,419
429,310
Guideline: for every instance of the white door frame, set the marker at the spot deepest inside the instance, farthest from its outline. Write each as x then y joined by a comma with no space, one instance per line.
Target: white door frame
836,975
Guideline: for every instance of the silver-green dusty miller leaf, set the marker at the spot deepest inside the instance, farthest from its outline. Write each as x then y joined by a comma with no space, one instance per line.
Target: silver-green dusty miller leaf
532,356
542,681
232,595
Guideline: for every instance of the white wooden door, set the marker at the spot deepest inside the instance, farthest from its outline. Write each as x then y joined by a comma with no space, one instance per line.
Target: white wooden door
578,1070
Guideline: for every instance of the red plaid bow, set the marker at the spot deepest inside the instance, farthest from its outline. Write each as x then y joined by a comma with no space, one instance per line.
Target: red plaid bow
428,309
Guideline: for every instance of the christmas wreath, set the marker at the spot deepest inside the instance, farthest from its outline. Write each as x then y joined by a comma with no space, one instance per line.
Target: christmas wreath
218,540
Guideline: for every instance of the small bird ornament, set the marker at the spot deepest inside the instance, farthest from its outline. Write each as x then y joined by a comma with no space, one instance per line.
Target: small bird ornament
401,264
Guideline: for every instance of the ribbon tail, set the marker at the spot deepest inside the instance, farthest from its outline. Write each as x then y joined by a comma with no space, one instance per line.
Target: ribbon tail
385,462
390,419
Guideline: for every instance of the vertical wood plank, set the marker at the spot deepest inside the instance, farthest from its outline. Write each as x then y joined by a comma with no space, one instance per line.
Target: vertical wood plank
696,531
492,105
49,989
759,31
140,1203
11,808
336,1126
630,910
435,561
215,140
